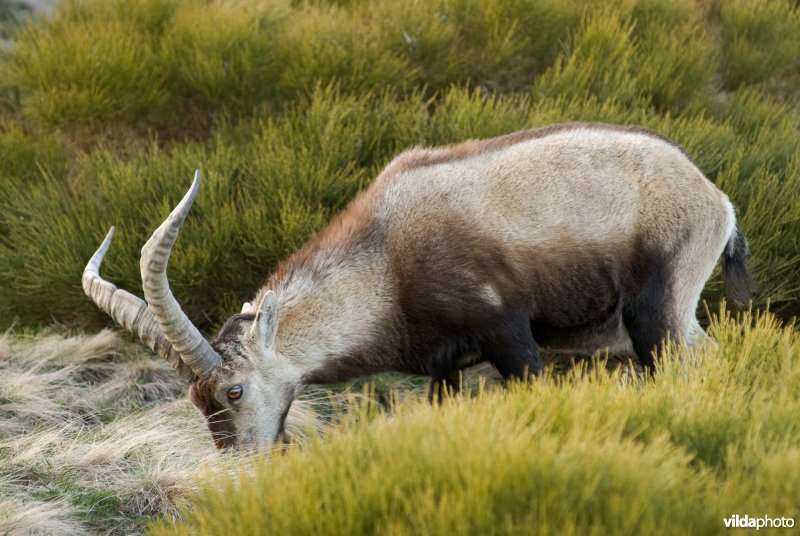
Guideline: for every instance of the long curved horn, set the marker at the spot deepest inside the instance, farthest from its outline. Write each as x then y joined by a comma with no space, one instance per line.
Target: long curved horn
176,326
129,311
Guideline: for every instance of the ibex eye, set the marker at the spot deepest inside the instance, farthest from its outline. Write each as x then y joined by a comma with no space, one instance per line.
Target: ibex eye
235,392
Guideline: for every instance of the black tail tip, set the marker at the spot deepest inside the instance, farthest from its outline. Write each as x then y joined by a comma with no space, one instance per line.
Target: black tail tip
736,275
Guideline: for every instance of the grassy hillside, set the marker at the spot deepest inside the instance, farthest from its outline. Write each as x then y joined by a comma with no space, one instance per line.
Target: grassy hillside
290,108
94,435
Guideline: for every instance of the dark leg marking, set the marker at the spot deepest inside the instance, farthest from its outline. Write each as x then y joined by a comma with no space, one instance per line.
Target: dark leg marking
443,385
648,319
511,348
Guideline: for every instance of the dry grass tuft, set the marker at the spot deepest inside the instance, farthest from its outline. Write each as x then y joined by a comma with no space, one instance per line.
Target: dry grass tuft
37,517
97,435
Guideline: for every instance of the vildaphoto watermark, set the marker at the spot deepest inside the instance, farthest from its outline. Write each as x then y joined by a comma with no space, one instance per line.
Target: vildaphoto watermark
747,522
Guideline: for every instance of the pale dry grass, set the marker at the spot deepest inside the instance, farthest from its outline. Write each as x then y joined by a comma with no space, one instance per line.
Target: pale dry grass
38,517
97,435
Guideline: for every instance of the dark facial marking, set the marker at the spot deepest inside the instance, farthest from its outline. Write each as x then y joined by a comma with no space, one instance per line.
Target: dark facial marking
218,418
282,429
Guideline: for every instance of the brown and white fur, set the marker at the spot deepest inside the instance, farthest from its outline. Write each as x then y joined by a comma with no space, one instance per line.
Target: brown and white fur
574,237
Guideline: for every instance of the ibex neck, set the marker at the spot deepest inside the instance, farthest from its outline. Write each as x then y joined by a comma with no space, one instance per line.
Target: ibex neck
334,309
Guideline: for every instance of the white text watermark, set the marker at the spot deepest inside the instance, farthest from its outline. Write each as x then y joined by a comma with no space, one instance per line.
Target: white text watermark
762,522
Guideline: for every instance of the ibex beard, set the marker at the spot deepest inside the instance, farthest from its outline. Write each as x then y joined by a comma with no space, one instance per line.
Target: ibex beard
574,237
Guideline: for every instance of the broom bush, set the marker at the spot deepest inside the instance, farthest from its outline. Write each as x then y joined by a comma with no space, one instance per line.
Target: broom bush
291,108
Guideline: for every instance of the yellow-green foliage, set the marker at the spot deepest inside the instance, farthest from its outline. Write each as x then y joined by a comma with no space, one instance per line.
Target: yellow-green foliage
761,39
291,107
585,453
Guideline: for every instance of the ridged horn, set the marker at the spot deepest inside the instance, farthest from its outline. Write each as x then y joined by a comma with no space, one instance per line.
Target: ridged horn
195,350
129,311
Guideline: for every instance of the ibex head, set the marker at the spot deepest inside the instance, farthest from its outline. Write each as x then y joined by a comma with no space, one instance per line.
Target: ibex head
238,380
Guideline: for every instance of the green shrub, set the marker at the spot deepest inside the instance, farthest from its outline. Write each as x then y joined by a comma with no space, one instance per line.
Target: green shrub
597,63
83,70
328,46
24,156
585,453
222,55
640,62
156,63
674,65
761,39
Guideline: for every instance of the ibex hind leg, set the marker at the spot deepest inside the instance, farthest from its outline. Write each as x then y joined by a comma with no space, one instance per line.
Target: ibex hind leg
695,263
650,317
687,297
666,305
511,348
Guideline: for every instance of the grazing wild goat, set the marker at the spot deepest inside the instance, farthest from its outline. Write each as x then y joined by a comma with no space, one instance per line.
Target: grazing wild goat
572,237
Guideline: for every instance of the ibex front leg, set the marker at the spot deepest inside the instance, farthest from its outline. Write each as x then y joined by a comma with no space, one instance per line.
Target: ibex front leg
511,348
442,385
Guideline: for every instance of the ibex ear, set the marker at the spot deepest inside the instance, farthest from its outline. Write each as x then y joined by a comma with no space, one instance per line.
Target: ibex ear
248,309
265,324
